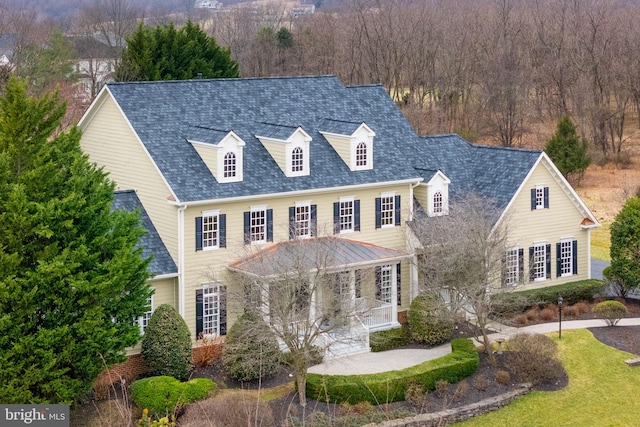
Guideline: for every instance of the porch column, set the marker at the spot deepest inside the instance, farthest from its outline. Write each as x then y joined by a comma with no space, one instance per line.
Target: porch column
414,277
394,294
352,292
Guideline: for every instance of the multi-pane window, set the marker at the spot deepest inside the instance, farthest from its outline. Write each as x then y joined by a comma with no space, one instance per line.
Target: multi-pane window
229,165
512,268
539,262
361,154
539,197
386,279
346,216
211,309
437,203
387,208
297,160
143,320
566,257
258,225
210,231
303,220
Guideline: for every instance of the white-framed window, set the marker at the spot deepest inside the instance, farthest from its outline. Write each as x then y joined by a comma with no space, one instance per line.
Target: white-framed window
229,165
347,215
512,267
387,210
539,197
566,257
297,160
386,283
438,207
258,225
211,309
361,154
302,220
143,321
539,262
210,230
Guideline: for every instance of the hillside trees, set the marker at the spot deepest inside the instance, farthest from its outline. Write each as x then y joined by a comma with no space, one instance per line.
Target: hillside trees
71,275
168,53
567,150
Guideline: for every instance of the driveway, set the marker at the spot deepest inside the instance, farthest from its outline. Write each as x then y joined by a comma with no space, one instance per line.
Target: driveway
596,268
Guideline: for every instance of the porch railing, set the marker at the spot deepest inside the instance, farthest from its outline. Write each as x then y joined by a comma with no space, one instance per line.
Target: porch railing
373,312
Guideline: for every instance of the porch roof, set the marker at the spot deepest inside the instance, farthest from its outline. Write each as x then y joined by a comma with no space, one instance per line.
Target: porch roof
331,254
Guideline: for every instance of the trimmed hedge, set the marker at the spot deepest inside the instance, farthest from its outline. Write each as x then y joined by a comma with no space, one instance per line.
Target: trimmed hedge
389,339
610,311
430,321
162,395
391,386
519,302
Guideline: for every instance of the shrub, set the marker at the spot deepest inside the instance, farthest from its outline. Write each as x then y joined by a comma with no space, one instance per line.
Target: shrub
251,350
166,346
533,358
521,320
503,377
442,388
415,395
480,382
532,314
570,311
164,395
462,388
392,386
547,314
389,339
208,349
229,410
582,307
610,311
430,320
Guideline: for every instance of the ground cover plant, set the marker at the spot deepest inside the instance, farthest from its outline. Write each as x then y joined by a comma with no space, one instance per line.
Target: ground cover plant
599,389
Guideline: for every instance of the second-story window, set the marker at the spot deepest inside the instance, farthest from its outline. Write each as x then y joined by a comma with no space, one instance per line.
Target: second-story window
437,203
258,225
297,160
210,229
229,165
387,206
361,154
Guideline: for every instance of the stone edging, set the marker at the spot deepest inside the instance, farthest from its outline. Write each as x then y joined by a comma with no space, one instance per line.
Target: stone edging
458,414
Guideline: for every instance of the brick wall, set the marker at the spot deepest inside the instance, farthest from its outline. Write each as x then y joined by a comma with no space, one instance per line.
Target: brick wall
128,371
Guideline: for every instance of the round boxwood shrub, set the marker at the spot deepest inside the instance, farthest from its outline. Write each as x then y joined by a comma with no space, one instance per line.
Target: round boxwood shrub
610,311
163,395
166,346
430,320
251,350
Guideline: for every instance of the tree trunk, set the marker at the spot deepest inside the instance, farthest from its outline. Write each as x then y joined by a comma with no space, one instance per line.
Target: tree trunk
301,380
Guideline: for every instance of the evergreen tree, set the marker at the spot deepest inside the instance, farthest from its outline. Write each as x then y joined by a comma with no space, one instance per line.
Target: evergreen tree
167,53
625,245
567,150
71,276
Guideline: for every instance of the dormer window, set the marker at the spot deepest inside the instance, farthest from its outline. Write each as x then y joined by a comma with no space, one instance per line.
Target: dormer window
361,154
297,160
289,146
437,195
437,203
229,165
353,141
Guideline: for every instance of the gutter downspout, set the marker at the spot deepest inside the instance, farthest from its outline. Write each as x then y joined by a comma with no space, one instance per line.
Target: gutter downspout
181,276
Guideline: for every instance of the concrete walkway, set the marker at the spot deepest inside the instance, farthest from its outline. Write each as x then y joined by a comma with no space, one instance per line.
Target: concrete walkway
370,363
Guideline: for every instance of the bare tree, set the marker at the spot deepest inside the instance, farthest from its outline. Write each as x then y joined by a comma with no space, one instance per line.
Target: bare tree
301,290
460,256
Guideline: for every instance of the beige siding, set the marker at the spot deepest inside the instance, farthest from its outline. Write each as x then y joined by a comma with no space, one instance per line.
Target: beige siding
342,147
278,152
122,155
560,221
420,193
204,266
209,156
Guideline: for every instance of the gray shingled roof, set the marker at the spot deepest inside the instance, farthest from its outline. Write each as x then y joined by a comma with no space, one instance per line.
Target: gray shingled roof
151,243
493,172
165,114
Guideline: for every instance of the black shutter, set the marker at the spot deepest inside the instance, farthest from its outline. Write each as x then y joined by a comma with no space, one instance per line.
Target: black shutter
575,256
531,267
548,258
198,233
358,284
222,230
356,215
521,265
314,219
336,218
292,222
503,267
378,283
558,259
269,225
222,298
247,228
546,197
397,211
199,322
378,212
398,283
533,199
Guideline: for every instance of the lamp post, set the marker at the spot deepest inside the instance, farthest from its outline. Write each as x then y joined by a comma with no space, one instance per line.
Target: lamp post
560,317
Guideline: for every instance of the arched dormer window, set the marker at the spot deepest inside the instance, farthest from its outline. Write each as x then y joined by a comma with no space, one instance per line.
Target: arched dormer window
361,154
229,165
437,203
297,160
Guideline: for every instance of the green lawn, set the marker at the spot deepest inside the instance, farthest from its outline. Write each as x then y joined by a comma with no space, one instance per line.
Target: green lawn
602,391
600,242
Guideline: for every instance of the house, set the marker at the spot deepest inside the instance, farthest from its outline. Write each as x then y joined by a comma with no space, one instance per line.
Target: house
97,57
227,170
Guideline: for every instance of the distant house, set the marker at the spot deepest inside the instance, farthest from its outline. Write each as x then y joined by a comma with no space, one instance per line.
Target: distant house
7,46
225,165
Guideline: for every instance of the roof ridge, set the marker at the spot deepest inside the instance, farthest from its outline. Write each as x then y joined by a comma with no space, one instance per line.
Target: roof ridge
196,80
